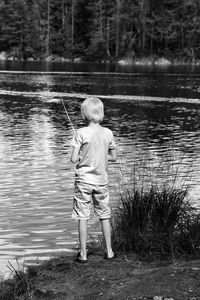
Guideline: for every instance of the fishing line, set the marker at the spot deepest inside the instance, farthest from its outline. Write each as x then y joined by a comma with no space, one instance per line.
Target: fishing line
70,122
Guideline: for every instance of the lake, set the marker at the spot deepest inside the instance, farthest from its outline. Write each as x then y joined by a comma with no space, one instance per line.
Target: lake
153,112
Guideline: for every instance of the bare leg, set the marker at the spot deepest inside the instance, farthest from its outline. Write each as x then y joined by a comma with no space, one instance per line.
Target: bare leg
82,229
106,229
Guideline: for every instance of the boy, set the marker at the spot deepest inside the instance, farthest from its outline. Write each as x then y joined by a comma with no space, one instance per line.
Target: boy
92,147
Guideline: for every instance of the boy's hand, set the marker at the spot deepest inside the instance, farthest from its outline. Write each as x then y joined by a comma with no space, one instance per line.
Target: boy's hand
75,154
112,155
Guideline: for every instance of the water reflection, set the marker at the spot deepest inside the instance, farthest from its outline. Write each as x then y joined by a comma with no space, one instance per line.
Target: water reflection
38,66
156,139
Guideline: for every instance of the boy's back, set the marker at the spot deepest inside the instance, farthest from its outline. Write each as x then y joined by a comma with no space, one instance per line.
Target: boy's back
95,143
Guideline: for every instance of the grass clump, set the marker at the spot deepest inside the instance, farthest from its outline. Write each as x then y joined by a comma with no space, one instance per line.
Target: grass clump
156,222
17,286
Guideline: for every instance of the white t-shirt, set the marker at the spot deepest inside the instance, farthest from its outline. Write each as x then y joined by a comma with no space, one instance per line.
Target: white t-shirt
94,144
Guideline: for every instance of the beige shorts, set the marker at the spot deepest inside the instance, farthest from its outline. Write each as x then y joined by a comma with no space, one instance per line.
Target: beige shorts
84,194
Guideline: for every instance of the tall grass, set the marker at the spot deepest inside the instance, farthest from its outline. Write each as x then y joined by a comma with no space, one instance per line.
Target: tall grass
158,222
17,286
154,216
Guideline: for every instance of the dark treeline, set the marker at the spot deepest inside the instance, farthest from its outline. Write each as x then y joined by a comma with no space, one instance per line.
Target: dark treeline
100,29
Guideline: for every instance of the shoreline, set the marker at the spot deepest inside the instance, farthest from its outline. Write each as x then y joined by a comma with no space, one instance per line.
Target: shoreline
124,61
125,278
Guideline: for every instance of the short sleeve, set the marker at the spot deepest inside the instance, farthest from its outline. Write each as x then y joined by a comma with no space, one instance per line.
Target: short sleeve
76,140
112,142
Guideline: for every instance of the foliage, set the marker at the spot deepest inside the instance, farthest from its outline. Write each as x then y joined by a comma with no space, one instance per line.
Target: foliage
18,285
100,29
156,222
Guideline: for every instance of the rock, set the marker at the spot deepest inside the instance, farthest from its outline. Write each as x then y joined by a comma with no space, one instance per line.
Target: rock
77,60
105,61
144,62
125,62
162,62
62,59
3,55
49,58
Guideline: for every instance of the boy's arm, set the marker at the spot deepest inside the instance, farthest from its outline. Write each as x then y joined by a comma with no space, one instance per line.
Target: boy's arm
112,155
75,154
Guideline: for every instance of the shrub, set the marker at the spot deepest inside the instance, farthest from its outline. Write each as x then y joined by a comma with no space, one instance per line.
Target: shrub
156,222
17,286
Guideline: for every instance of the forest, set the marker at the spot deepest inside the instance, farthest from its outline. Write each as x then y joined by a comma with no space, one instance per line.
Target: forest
100,30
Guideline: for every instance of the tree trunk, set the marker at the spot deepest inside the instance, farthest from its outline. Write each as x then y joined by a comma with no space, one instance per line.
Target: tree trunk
143,22
63,14
182,39
48,28
151,41
108,37
101,20
117,28
72,29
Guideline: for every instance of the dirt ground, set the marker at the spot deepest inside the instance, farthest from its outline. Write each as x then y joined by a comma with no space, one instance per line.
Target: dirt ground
124,278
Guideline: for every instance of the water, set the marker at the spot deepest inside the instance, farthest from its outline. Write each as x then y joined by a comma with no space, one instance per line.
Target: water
155,119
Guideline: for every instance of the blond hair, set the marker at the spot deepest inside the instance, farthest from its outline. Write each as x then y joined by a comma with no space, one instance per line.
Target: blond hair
92,109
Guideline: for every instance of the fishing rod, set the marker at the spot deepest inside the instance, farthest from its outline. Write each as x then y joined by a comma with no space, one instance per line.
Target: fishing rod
70,122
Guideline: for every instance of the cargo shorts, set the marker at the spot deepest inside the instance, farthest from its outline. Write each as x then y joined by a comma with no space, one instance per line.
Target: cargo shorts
84,194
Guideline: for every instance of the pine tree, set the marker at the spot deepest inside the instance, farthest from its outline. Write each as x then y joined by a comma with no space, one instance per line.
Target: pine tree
12,27
33,29
100,29
190,38
101,17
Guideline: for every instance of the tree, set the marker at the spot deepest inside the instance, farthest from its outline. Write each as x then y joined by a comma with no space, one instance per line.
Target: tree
12,26
190,34
96,29
129,28
33,28
100,29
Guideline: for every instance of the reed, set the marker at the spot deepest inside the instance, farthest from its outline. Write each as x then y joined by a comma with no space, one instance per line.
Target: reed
18,285
154,216
158,222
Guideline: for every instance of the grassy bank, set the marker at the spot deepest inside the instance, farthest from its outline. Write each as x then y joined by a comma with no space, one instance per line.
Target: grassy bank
125,278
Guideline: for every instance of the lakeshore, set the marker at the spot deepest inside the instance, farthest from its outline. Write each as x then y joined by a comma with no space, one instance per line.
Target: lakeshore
123,61
29,225
125,278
